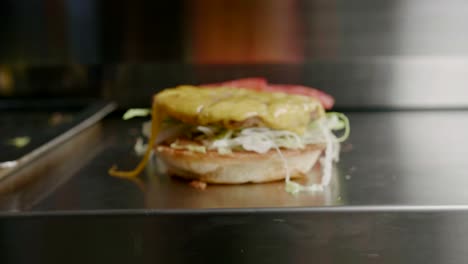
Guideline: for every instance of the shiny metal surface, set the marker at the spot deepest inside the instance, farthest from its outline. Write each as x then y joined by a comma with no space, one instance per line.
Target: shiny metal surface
44,126
399,197
32,182
248,237
397,159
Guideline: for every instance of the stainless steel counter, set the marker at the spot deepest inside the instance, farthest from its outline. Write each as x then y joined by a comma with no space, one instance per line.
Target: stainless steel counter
398,196
398,159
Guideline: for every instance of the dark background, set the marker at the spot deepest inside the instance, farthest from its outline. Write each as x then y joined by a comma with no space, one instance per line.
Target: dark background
390,54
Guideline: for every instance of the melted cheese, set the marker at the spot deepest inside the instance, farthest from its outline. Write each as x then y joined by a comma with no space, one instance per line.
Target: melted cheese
155,127
224,105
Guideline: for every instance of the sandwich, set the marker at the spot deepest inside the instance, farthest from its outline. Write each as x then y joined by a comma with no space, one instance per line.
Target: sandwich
244,131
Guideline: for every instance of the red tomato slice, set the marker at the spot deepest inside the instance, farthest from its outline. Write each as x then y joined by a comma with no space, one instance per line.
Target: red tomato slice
261,84
325,99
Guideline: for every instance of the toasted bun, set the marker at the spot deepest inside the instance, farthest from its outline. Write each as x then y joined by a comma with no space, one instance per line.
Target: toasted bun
238,167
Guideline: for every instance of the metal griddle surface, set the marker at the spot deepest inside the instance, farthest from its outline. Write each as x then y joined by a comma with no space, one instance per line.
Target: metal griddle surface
40,121
398,159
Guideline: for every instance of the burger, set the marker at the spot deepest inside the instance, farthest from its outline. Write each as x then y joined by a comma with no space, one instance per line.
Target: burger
244,131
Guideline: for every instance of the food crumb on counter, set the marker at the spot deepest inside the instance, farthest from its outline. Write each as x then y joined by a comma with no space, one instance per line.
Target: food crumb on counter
198,184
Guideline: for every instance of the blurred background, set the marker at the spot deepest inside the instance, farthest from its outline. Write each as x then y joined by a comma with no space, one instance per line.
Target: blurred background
378,54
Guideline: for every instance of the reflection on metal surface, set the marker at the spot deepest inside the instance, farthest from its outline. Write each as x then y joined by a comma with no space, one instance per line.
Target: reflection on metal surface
390,162
252,237
439,145
407,158
427,82
168,192
30,184
8,164
431,29
88,117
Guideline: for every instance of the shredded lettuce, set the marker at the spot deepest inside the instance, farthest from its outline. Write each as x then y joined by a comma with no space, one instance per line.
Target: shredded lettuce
338,121
140,147
262,140
294,187
208,131
19,142
258,139
136,112
327,160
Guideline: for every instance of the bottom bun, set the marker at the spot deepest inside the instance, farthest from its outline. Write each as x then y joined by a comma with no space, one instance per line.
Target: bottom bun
238,167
